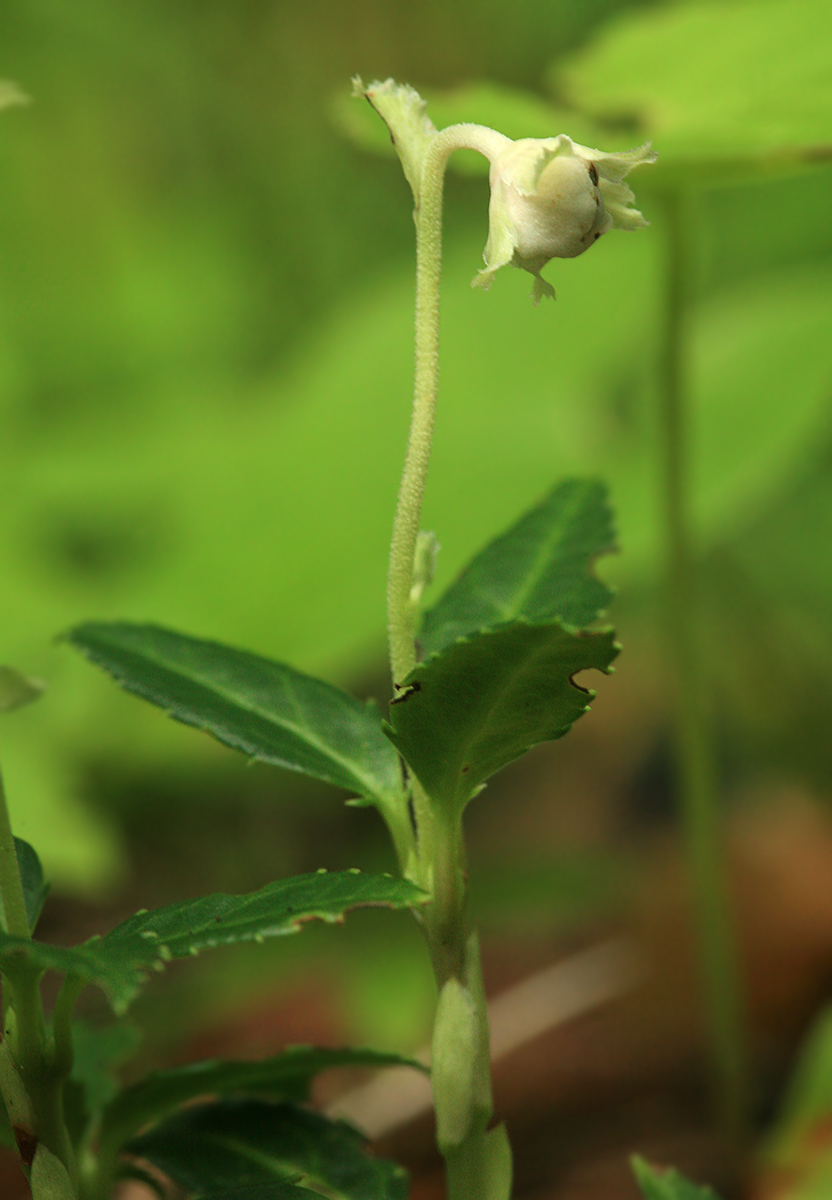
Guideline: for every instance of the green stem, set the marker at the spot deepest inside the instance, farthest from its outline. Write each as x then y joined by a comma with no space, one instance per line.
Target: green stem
460,1057
462,1080
401,614
31,1080
696,775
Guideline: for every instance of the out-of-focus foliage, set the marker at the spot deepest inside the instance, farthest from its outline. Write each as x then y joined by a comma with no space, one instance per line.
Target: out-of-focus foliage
727,89
205,345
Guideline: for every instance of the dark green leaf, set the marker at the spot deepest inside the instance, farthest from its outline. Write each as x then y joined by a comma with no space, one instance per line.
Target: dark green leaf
287,1076
259,1191
539,570
469,711
235,1143
6,1135
657,1183
119,962
93,1083
262,708
35,887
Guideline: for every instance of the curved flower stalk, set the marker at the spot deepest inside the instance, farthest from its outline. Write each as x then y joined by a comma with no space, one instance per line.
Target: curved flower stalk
552,198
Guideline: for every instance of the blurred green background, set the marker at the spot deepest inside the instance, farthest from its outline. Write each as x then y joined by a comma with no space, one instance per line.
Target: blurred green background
205,357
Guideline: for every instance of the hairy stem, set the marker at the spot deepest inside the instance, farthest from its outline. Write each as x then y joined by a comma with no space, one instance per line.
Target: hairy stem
461,1066
401,614
696,775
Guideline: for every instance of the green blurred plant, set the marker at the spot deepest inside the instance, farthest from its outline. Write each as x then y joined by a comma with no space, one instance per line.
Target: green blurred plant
502,646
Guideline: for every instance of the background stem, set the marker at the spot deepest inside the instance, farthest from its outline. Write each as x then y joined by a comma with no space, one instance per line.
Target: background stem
696,779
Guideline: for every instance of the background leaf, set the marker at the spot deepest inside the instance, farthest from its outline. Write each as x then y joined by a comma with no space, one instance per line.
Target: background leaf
538,570
484,701
659,1183
35,887
262,708
250,1142
689,78
119,962
17,690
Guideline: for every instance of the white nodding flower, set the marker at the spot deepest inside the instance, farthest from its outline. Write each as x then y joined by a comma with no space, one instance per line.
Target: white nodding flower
551,198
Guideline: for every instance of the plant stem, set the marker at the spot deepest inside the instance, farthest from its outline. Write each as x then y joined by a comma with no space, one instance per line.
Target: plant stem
695,767
401,616
30,1079
453,947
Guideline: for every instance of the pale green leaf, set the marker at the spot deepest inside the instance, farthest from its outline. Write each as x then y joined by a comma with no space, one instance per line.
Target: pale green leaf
724,90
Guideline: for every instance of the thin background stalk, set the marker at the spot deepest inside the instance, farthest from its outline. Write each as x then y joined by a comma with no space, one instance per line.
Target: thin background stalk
696,779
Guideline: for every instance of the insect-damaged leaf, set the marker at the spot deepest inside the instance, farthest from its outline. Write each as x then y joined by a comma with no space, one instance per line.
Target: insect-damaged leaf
485,700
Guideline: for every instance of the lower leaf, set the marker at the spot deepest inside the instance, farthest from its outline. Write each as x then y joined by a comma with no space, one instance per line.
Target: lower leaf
232,1145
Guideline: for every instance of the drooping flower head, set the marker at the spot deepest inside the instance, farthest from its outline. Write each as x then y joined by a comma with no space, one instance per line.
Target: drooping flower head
551,198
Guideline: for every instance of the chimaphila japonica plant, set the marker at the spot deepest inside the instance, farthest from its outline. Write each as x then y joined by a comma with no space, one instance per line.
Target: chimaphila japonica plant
477,680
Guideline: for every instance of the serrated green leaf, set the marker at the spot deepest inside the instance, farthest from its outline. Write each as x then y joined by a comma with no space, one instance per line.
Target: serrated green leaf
17,690
484,701
237,1143
35,887
265,709
689,77
286,1076
120,961
658,1183
538,570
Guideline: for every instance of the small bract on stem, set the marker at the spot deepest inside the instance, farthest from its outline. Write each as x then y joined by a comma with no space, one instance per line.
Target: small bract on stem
550,198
